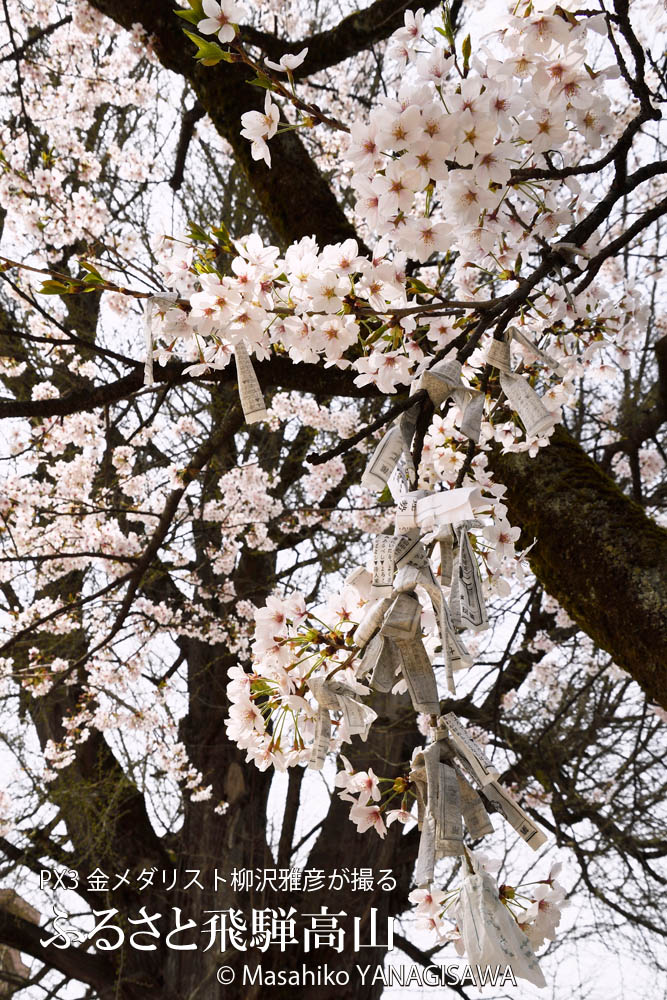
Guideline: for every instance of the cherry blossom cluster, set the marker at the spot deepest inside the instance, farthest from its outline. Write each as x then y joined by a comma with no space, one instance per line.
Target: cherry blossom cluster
433,165
369,809
272,710
62,93
313,303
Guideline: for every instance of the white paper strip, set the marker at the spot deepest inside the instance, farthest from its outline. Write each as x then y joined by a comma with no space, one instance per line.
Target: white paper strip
498,354
476,818
426,764
383,460
322,740
425,868
527,404
466,599
407,578
250,393
387,665
455,654
418,673
370,620
467,749
445,539
399,482
407,423
545,358
449,826
448,507
406,511
409,551
366,664
441,381
471,424
402,620
515,815
336,696
165,299
383,565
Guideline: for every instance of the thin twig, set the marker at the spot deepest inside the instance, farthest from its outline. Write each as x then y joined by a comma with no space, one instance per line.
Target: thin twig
347,443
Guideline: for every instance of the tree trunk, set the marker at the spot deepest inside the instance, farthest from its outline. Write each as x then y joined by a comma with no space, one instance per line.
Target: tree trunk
597,553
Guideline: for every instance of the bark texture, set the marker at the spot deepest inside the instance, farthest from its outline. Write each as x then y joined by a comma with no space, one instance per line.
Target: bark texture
597,553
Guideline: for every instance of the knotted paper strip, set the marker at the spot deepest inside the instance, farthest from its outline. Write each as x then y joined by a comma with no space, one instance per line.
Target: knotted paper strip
443,535
391,552
475,816
382,661
471,423
399,482
406,511
418,673
402,620
441,826
448,507
407,423
427,791
338,697
383,565
370,620
449,825
408,578
490,933
409,551
425,868
442,380
455,654
402,624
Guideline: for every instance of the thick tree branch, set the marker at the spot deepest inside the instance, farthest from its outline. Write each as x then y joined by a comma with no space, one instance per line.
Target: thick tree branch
354,34
225,95
276,373
75,963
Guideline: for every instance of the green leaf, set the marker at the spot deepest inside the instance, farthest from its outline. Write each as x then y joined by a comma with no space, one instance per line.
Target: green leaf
448,27
466,51
198,234
261,81
419,286
53,287
90,268
195,14
190,15
208,53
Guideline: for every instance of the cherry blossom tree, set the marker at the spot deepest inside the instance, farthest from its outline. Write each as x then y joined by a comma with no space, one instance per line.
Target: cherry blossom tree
230,232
